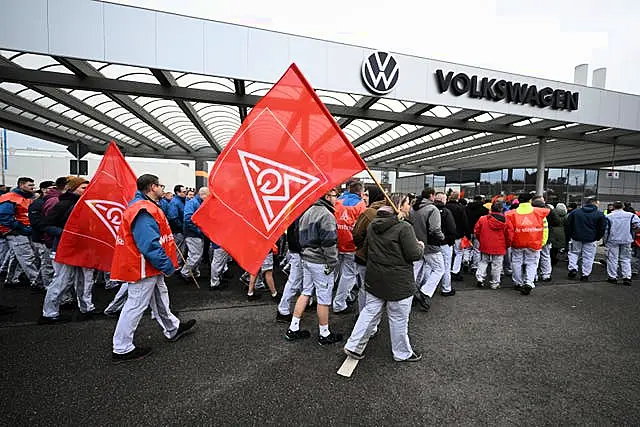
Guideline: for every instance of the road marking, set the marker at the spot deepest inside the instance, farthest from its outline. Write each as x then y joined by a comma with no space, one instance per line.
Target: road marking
348,366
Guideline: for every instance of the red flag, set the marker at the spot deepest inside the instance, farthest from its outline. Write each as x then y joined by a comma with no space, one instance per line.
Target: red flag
287,153
90,233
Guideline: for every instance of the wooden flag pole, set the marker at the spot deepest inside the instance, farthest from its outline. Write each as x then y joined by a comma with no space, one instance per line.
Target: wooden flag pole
386,196
188,268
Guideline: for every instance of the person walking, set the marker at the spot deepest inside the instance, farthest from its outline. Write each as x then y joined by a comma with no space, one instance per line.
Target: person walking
586,227
144,254
494,238
392,248
618,237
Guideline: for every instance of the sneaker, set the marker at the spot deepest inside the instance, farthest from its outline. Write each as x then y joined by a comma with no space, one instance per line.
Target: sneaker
494,286
283,318
300,334
254,297
332,338
451,293
413,358
626,282
573,274
480,284
517,287
53,320
546,279
8,309
113,314
526,290
612,280
89,315
423,300
137,353
584,278
353,354
183,328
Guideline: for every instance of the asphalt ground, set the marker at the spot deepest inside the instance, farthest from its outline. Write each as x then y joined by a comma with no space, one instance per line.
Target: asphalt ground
568,354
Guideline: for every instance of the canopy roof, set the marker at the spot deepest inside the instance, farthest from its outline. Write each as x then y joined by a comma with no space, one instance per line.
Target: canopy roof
157,112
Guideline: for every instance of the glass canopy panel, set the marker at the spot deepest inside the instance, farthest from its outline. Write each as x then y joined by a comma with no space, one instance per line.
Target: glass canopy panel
392,105
198,81
337,98
221,120
359,127
127,72
31,61
257,88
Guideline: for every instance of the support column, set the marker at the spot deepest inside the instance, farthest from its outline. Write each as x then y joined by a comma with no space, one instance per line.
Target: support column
202,173
540,167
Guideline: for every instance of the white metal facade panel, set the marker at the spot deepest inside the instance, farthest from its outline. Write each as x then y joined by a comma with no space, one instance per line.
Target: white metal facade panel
130,35
269,52
76,28
180,43
23,25
311,57
225,50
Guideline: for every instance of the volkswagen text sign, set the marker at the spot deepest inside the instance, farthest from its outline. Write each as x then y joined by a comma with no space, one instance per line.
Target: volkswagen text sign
380,72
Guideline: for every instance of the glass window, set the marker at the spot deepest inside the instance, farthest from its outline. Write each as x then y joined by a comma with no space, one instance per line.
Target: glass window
576,177
517,176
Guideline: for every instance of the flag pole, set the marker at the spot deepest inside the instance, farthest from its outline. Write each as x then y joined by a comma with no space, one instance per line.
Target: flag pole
386,196
188,268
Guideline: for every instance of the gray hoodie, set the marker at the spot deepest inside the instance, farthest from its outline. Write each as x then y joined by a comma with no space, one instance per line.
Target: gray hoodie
318,234
425,218
621,227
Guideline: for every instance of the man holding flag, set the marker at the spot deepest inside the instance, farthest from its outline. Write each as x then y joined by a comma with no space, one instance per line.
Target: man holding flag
145,252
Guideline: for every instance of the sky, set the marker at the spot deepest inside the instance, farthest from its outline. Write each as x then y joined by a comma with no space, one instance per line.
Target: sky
541,38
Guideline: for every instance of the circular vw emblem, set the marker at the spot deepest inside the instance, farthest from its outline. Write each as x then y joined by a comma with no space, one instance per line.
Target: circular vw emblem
380,72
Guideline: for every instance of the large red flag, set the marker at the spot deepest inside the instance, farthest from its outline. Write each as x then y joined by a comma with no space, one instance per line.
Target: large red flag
90,233
288,152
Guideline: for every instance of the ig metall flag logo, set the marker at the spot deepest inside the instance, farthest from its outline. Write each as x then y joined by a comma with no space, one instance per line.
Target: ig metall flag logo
380,72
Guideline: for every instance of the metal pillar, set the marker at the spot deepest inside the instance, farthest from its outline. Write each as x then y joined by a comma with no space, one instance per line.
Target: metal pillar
202,173
540,168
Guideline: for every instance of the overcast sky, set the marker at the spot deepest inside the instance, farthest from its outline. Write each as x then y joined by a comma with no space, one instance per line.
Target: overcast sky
541,38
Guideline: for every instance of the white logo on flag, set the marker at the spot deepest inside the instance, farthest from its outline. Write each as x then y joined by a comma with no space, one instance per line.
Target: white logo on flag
271,183
109,212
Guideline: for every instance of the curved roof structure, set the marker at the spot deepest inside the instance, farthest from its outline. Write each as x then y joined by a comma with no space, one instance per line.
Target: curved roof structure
186,99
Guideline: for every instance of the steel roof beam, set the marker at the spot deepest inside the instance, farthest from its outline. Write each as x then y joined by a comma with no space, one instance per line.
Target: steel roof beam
241,91
125,101
52,79
166,79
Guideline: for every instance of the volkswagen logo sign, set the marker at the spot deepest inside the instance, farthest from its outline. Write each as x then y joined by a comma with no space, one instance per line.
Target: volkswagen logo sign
380,72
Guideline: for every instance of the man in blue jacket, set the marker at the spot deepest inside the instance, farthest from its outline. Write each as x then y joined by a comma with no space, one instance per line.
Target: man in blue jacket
175,216
193,236
585,227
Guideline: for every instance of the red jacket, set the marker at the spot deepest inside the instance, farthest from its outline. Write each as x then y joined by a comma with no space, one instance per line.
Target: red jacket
346,217
493,234
128,264
21,209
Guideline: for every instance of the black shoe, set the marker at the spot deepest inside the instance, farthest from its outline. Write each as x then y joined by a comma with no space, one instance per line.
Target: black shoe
457,277
183,328
422,300
137,353
517,287
89,315
584,278
353,354
300,334
413,358
8,309
572,274
626,282
451,293
283,318
114,315
548,279
53,320
276,298
347,310
526,290
480,284
254,297
612,280
220,286
332,338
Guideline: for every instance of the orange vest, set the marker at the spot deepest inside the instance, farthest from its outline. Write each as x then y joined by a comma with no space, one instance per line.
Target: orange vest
528,229
346,217
128,264
22,209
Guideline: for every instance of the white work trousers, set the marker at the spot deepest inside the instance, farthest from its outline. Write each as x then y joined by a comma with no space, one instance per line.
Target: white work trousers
527,258
582,250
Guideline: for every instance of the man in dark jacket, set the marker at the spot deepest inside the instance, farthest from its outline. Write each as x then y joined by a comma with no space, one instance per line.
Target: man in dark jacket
37,235
427,225
462,229
319,244
586,226
449,230
475,210
392,248
65,275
